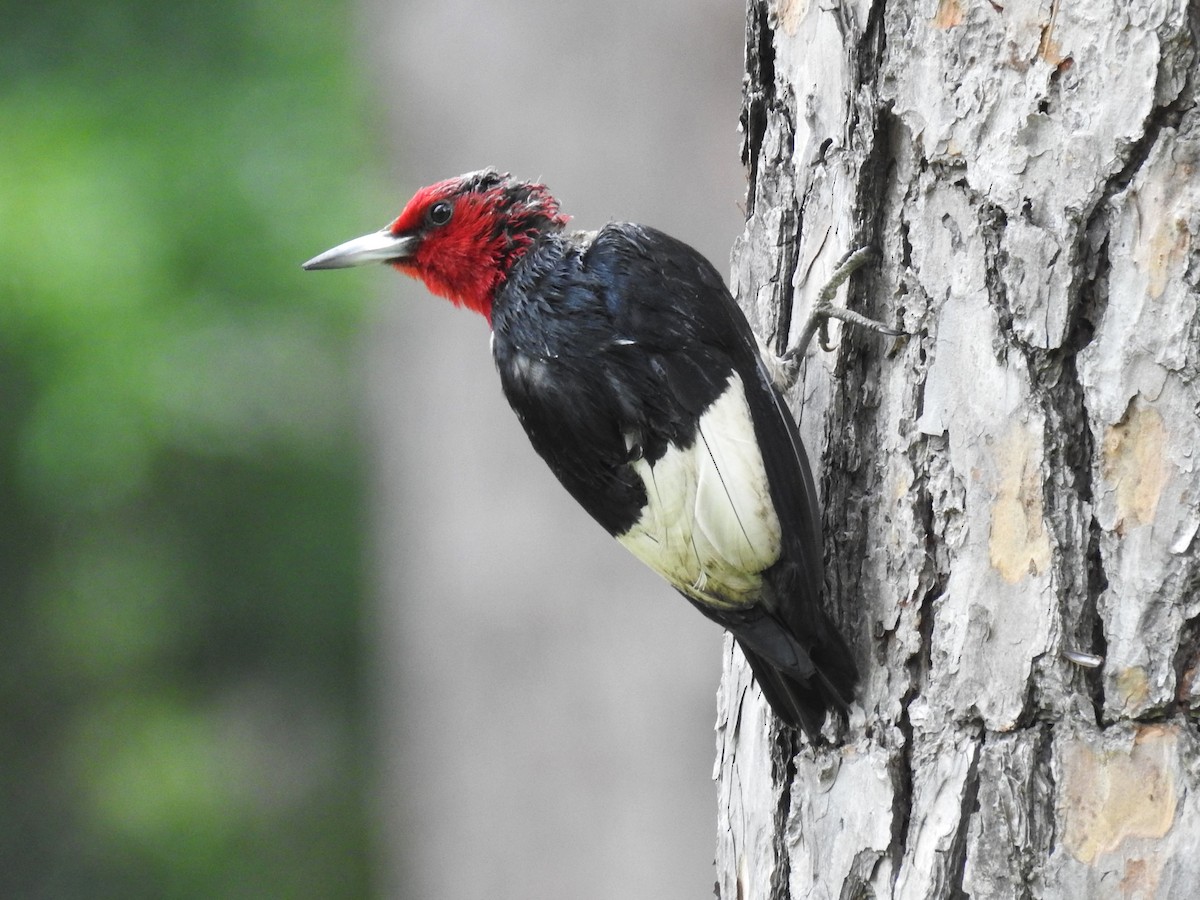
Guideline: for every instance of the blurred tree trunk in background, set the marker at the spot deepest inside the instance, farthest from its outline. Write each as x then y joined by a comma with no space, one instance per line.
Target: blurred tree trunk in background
1017,479
545,703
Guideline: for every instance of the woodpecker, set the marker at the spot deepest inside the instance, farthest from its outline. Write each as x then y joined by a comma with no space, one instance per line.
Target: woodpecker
640,383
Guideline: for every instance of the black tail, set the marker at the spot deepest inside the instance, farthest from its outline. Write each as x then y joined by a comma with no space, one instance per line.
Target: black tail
802,683
800,703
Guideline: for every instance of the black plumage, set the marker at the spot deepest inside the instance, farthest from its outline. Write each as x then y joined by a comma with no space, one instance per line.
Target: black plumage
629,332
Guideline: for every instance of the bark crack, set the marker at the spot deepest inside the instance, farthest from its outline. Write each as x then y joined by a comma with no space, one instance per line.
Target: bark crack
783,764
1187,664
956,863
872,127
1160,118
918,666
758,93
791,226
1067,489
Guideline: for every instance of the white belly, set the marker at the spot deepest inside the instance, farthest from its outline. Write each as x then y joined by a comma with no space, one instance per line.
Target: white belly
709,526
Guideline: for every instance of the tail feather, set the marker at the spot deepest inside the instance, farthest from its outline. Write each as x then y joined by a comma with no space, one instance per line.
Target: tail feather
795,704
802,682
801,704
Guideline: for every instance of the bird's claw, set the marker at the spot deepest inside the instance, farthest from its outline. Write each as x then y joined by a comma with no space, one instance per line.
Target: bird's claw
823,310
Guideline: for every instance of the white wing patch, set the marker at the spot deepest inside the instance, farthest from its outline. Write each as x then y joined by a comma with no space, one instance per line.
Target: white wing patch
709,526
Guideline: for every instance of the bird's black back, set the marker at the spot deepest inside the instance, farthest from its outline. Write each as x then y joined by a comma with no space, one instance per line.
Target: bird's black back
611,346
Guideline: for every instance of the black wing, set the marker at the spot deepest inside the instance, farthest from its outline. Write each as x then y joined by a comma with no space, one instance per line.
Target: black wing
611,350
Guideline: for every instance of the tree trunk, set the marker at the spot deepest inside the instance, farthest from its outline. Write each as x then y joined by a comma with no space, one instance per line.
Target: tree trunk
1013,483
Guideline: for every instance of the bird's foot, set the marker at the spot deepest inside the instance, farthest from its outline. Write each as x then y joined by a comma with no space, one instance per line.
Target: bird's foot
823,310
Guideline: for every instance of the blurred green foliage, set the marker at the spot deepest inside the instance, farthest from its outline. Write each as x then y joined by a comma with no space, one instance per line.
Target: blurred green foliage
180,496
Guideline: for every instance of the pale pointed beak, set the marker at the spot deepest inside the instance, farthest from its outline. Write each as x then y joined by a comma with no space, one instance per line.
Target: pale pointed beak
381,246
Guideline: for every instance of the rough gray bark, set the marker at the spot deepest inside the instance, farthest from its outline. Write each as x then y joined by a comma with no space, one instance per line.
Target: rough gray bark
1017,478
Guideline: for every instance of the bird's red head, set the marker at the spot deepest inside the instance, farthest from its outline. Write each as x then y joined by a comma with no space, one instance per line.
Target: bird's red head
460,236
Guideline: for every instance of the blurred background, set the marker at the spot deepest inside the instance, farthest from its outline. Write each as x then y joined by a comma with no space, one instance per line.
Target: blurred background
288,607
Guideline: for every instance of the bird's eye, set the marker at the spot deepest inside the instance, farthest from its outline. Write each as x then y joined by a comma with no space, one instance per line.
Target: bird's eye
440,212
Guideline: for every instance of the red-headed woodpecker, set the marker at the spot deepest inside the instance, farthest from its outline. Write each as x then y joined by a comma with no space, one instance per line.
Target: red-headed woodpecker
640,383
